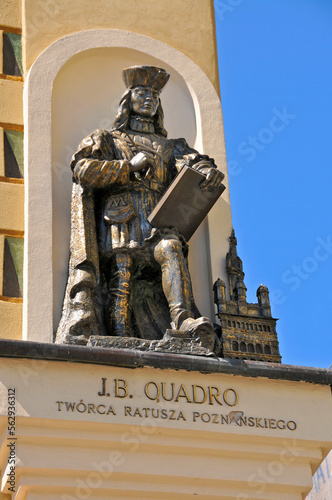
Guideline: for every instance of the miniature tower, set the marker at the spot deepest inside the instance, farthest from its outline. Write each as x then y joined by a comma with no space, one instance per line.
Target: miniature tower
248,330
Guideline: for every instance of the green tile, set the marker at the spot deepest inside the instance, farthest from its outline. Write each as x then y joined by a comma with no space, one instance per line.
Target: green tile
15,140
16,246
16,43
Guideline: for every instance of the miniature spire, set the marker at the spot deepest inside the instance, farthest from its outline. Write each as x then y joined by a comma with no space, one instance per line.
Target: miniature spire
234,266
264,301
241,296
219,289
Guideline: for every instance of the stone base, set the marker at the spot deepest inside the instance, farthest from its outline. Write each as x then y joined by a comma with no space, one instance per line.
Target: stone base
112,426
173,342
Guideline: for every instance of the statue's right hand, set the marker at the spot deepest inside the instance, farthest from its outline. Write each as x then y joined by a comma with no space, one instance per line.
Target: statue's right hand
140,161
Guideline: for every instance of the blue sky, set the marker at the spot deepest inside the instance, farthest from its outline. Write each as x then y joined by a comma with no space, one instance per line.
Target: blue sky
275,67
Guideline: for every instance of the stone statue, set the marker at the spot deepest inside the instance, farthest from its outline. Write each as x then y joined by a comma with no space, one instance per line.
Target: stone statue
126,278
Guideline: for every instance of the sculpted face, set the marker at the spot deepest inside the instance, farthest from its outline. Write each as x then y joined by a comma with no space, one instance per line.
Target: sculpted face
144,101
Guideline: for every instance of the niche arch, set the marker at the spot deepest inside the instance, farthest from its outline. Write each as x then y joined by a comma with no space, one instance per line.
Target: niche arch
60,108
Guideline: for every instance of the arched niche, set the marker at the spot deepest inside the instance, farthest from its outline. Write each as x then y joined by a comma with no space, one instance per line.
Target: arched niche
73,88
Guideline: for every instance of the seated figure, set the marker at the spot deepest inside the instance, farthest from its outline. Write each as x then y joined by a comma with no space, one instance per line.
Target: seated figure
127,278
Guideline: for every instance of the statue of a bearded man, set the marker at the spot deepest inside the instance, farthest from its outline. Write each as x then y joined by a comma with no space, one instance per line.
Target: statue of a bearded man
127,278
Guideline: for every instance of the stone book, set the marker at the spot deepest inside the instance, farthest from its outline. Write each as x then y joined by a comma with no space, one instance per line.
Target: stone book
184,205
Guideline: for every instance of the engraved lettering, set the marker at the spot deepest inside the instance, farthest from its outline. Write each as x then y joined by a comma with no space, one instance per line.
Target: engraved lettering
281,424
128,411
137,413
172,413
91,408
204,395
214,396
120,390
243,420
80,407
156,396
272,423
101,412
70,406
258,424
231,397
224,419
183,394
251,422
110,410
163,391
103,388
59,403
146,410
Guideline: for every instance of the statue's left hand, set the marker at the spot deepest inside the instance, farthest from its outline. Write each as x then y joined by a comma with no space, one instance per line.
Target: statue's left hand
213,179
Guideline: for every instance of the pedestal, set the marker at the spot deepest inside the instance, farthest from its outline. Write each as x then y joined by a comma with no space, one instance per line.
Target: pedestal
122,424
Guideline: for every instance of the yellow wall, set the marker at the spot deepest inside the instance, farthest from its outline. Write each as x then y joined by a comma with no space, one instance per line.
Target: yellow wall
11,190
11,319
186,25
11,206
11,101
11,14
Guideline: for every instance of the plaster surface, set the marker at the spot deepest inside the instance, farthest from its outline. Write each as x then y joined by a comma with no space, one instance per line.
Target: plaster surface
11,206
11,13
188,26
11,102
11,313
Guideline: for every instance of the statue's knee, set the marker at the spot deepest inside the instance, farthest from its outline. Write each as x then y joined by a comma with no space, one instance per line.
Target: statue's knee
167,248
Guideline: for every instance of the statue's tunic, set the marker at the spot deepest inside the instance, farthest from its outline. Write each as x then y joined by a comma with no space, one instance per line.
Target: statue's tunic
127,199
110,207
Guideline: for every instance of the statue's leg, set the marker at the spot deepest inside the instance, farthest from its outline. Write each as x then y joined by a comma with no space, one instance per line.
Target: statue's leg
177,287
119,311
175,279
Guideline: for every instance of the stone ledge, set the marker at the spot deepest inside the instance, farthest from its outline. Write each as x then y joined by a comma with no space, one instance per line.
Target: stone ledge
136,359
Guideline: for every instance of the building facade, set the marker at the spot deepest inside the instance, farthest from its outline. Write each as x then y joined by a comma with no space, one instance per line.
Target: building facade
11,171
81,422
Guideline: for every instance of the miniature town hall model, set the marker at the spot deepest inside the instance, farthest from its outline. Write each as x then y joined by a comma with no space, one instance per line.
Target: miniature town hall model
248,330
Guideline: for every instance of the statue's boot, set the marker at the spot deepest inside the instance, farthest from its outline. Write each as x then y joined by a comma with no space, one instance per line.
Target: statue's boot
177,288
119,310
196,327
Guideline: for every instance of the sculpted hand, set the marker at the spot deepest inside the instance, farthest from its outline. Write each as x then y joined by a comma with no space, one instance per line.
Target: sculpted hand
213,178
140,161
